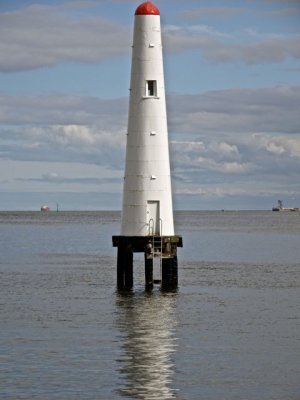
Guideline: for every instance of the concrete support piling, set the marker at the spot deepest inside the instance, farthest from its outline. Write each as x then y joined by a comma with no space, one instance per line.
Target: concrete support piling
169,278
160,248
125,268
148,272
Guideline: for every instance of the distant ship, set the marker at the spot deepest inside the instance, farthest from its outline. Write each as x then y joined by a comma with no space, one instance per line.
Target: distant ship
281,208
45,208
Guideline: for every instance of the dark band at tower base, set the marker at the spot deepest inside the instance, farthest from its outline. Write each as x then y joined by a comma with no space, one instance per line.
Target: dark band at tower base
163,247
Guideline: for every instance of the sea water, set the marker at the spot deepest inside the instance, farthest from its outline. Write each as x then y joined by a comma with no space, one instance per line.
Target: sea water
230,331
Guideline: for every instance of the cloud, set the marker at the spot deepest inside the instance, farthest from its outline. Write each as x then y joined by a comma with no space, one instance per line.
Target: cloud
234,111
273,50
66,143
239,136
216,13
213,192
285,12
212,156
63,110
265,165
54,177
239,191
237,111
226,13
63,128
39,36
279,145
220,137
262,49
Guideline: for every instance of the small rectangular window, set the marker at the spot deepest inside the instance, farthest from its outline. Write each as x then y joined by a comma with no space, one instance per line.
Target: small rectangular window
151,89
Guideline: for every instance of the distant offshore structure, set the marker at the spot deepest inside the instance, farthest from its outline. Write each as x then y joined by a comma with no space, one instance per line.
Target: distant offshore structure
147,215
47,208
281,208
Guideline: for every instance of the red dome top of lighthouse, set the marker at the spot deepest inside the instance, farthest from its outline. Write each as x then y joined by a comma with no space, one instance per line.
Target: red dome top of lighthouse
147,8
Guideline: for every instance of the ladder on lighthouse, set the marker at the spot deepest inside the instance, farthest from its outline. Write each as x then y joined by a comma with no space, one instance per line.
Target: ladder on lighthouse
159,249
157,240
156,247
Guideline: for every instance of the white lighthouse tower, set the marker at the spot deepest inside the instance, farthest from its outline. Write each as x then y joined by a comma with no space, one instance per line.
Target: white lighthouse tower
147,213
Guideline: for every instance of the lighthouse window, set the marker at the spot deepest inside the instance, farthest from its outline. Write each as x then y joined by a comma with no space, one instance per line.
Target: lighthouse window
151,88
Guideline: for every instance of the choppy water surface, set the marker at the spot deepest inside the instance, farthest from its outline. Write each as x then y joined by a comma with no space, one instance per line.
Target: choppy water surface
231,331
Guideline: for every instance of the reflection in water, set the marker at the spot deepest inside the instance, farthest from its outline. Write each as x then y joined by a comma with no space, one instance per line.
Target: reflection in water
146,323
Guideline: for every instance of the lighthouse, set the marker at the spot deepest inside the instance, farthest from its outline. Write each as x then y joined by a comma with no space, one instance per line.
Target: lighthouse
147,213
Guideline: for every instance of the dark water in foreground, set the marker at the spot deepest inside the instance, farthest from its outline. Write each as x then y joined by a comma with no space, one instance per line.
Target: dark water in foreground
232,331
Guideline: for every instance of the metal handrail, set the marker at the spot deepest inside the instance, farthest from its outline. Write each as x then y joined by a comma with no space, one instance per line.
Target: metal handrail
151,219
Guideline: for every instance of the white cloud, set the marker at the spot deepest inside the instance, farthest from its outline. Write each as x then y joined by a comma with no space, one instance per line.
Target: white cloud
68,143
51,176
56,178
216,13
279,145
229,137
238,190
247,47
63,110
274,148
210,157
42,36
212,192
39,36
243,111
227,150
228,127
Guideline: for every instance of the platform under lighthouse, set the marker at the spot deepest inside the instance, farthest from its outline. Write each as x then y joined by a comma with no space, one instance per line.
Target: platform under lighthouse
147,213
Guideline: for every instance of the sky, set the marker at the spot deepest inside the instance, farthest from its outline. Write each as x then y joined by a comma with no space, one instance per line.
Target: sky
232,77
